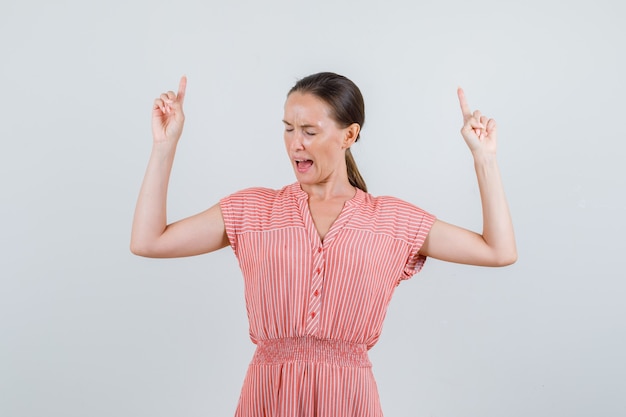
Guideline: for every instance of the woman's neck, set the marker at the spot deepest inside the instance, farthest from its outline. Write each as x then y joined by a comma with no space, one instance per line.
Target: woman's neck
329,190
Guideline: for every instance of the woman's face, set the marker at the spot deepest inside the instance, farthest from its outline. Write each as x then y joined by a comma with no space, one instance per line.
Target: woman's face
315,143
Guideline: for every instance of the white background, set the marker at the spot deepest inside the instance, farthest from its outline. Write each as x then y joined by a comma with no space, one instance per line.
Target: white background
87,329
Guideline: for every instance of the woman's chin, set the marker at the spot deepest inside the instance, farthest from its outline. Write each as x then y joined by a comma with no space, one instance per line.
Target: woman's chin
304,177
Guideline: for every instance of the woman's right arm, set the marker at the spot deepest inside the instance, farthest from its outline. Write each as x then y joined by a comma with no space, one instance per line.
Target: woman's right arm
151,235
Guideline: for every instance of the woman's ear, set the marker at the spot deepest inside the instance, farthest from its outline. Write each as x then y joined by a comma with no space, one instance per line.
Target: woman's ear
352,134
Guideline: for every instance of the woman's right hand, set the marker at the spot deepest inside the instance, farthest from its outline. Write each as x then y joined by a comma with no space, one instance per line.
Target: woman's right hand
167,115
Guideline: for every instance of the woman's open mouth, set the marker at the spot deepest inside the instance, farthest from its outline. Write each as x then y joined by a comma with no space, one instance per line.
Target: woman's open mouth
303,164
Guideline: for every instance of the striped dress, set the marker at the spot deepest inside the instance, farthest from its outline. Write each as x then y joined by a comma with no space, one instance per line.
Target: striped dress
316,307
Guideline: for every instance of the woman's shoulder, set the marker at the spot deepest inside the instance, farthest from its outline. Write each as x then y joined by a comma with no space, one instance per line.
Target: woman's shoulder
253,192
388,210
263,193
261,196
394,216
386,203
257,208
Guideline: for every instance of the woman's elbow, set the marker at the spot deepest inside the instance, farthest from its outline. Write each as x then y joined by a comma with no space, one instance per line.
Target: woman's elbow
136,249
141,249
506,259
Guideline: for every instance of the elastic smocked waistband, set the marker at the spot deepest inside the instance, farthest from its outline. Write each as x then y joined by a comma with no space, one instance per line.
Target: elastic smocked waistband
311,349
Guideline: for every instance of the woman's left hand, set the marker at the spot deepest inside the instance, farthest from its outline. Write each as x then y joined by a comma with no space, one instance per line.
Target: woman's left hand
478,131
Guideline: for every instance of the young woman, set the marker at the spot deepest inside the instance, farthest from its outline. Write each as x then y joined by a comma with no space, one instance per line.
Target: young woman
320,257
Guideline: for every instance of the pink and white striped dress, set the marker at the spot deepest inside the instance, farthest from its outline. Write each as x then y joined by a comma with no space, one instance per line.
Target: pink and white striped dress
316,307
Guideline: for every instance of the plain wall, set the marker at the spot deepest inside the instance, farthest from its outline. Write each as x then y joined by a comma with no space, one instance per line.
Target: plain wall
88,329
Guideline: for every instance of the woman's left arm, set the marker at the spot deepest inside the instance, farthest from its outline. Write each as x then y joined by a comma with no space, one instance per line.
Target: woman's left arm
496,246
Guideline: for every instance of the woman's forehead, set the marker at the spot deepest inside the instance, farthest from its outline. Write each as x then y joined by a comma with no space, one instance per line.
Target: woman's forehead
305,107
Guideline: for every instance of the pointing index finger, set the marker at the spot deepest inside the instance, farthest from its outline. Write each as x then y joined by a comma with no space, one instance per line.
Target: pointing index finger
182,86
464,107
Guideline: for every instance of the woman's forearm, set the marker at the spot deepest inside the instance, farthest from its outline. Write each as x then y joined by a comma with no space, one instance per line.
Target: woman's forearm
150,219
497,223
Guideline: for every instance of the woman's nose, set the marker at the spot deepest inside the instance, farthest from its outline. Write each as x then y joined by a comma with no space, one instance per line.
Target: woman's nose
296,143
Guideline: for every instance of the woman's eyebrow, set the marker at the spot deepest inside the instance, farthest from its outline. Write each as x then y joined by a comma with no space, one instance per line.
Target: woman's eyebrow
305,126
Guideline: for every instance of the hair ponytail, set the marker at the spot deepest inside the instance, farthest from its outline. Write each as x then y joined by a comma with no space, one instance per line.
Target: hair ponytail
354,176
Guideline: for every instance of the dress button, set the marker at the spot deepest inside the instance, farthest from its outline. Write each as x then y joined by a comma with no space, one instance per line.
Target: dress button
318,270
313,314
319,250
316,293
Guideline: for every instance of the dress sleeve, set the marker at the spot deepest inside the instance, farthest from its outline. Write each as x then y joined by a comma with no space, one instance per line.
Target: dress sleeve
421,222
232,208
244,211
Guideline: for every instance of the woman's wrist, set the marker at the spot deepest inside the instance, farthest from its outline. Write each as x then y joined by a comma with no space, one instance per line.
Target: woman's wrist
484,158
164,147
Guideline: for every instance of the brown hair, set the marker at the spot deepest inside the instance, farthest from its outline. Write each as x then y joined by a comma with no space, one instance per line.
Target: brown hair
347,107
